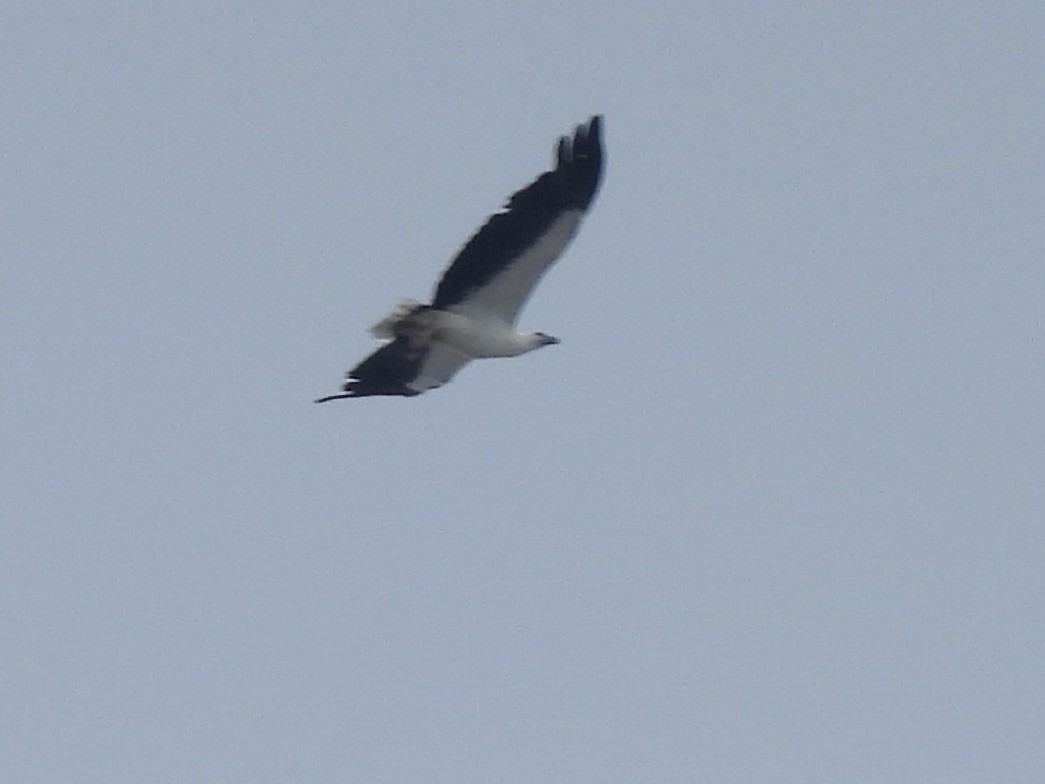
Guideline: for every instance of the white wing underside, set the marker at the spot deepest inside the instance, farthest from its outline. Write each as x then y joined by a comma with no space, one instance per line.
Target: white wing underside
502,297
440,365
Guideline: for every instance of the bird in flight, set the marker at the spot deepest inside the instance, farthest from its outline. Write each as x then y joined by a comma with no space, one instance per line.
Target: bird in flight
473,312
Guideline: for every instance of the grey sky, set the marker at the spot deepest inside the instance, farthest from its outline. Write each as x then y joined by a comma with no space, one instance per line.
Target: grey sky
771,512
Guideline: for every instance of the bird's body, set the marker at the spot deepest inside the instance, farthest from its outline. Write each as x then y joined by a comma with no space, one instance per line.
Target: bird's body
478,299
481,339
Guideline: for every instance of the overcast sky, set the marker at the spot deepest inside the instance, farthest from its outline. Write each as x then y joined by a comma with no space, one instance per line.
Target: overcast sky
772,511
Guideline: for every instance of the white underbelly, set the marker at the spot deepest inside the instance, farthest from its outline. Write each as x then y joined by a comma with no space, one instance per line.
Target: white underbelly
478,339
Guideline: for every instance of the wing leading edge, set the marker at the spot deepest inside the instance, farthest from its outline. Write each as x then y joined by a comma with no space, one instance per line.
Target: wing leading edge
400,368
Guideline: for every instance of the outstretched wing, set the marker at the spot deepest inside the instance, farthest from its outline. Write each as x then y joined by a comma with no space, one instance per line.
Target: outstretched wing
498,268
402,368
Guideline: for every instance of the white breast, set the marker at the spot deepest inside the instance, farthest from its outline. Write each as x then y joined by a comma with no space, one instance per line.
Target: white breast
480,338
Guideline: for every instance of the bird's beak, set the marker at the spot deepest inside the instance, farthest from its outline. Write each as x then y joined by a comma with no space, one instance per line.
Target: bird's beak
552,340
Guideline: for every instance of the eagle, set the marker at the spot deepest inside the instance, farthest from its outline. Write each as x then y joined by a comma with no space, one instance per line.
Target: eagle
477,301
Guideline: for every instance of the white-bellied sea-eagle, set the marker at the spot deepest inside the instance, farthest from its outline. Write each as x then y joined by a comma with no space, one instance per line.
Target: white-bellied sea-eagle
475,306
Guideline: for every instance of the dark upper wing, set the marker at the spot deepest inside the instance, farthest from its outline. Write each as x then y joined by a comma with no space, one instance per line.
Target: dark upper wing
500,265
385,372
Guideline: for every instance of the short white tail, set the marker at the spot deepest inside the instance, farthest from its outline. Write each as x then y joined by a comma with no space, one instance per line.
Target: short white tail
385,328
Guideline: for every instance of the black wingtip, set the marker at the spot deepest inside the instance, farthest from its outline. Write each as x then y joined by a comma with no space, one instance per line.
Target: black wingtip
586,141
583,161
595,127
592,133
331,397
